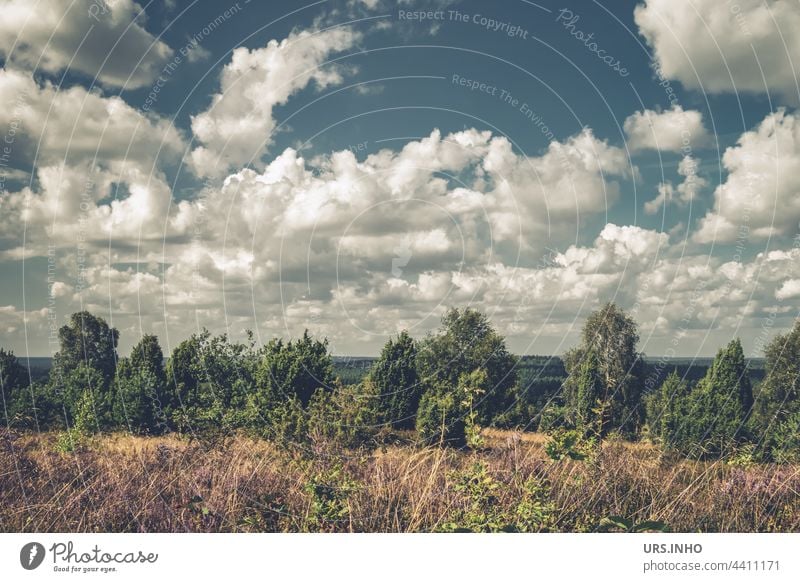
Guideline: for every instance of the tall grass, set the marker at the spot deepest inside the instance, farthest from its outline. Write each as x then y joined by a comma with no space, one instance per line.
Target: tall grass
121,483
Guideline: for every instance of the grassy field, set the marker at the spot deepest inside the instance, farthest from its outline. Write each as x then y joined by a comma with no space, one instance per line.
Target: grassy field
168,484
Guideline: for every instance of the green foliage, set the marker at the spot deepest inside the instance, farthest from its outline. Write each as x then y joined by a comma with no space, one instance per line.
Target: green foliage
15,393
90,413
666,409
285,423
13,377
570,444
465,343
329,492
777,407
441,417
346,416
614,371
141,401
69,441
87,341
394,376
472,387
82,395
296,368
589,395
484,510
784,445
210,384
712,425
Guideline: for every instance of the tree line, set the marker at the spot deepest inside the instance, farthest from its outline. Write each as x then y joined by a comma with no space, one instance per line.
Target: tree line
444,387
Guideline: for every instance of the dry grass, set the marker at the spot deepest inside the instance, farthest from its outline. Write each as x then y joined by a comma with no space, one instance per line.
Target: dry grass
123,483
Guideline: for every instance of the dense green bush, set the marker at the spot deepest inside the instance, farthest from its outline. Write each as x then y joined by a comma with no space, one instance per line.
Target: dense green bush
465,343
347,415
711,422
441,417
394,376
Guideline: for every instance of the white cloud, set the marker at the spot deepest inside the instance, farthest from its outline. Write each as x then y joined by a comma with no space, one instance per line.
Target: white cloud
99,167
74,125
104,40
761,195
722,46
788,290
684,193
673,130
238,126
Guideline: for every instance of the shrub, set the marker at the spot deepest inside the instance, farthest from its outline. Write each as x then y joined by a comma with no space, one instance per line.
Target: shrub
394,377
465,343
329,492
347,416
487,510
712,425
570,443
441,417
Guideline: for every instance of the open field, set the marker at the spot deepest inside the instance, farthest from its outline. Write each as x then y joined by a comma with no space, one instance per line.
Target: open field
168,484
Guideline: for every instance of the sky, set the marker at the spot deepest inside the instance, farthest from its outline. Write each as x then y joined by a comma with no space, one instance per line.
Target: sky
356,167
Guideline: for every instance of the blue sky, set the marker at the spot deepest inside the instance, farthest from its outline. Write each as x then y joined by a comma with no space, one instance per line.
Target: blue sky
354,167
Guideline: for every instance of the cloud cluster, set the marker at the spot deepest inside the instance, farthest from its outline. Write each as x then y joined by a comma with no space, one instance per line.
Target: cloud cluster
673,130
682,194
761,194
747,45
238,125
106,40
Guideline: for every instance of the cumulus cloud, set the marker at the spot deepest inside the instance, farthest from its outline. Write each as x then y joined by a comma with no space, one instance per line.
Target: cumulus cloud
238,126
75,125
682,194
99,167
103,40
761,195
724,47
673,130
403,230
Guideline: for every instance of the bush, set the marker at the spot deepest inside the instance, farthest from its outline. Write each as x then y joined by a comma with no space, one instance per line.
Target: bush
394,377
468,342
347,416
572,444
712,425
440,418
485,510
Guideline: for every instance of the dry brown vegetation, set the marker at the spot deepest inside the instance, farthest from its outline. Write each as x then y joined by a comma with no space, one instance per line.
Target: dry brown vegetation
167,484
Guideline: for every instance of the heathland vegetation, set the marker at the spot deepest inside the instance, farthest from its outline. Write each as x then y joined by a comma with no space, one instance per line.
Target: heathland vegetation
444,433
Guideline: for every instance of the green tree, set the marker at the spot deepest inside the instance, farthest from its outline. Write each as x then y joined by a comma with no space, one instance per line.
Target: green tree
346,415
13,380
589,393
467,342
141,389
297,368
84,399
210,380
666,408
87,340
714,422
394,376
612,335
779,395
